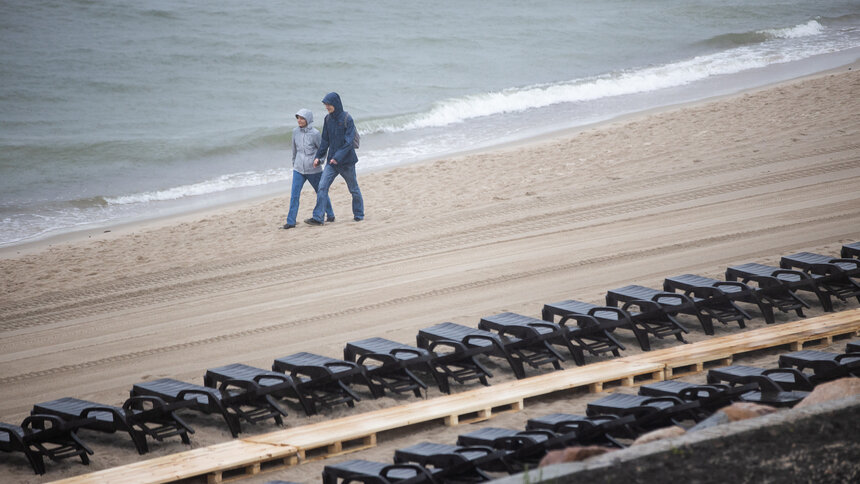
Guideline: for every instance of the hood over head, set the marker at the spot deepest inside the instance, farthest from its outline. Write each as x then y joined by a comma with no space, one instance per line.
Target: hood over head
307,114
334,99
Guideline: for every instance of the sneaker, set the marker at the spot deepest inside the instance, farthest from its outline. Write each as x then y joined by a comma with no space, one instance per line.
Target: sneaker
329,219
357,219
288,226
313,221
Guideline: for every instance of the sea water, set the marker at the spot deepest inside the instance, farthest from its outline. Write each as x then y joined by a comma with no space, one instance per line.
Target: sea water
114,111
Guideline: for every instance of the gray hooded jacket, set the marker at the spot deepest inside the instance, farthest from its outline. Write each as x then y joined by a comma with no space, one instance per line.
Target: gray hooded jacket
306,141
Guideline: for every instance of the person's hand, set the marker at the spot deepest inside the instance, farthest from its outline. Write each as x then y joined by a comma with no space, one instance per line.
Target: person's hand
333,161
316,162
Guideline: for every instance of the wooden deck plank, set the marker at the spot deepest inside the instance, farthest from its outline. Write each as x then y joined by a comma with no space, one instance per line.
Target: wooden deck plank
249,452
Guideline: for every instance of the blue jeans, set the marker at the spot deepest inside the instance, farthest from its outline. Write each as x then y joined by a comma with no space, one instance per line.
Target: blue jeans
328,176
295,194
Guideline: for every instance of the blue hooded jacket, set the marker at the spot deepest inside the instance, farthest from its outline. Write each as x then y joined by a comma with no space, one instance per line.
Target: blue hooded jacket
338,134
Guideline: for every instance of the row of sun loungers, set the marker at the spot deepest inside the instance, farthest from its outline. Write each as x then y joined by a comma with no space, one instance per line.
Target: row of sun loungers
609,421
448,351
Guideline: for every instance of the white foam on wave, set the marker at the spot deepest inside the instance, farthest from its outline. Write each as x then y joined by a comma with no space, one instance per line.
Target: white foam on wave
220,184
676,74
808,29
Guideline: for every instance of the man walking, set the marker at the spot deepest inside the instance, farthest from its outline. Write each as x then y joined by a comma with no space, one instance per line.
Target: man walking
337,153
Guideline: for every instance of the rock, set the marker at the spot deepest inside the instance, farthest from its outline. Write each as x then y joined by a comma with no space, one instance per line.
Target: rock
834,390
664,433
573,454
732,413
744,410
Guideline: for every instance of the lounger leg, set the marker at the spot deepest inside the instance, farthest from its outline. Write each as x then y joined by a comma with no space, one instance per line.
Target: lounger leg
767,312
231,420
517,367
707,324
546,315
824,299
139,439
642,338
36,461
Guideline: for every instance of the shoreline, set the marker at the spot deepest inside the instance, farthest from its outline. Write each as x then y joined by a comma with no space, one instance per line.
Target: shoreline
143,223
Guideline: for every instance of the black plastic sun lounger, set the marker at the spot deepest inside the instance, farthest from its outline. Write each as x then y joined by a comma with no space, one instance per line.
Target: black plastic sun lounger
390,365
836,274
670,302
791,279
649,412
370,472
455,351
602,427
787,378
710,397
592,333
673,304
778,387
593,430
325,380
41,436
825,365
514,449
139,416
722,295
274,383
852,347
467,343
650,319
235,400
456,463
851,251
530,339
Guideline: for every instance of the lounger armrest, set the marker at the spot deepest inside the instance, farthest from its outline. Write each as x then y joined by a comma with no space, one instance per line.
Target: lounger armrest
675,400
182,395
826,269
14,435
574,425
740,285
692,393
137,402
582,320
419,471
843,356
310,371
282,378
550,326
854,262
39,422
336,364
67,429
643,305
475,448
117,415
407,351
512,442
620,312
380,357
458,346
671,295
494,340
799,377
246,387
802,275
764,383
518,332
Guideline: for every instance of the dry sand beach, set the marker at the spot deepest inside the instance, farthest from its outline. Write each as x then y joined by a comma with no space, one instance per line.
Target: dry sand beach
689,189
